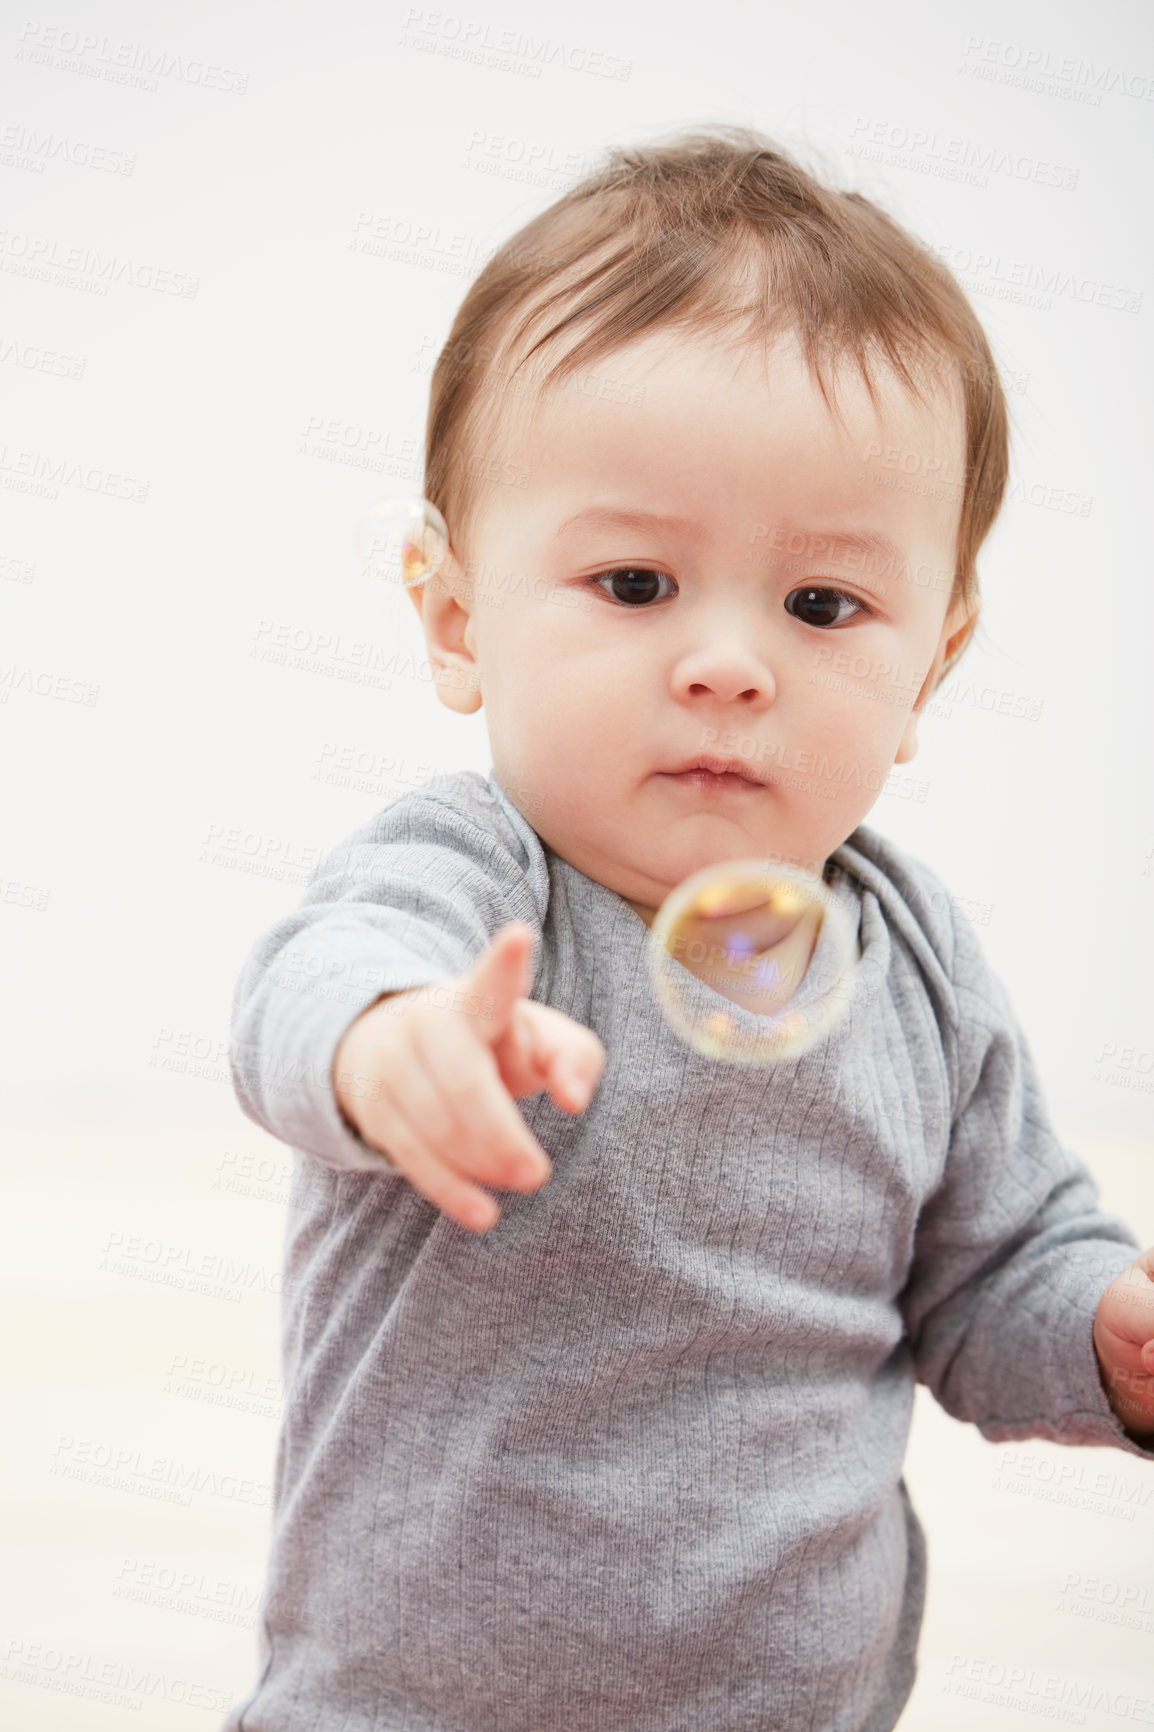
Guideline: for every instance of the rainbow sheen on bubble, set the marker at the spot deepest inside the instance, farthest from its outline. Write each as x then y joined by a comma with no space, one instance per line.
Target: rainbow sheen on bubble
749,930
402,540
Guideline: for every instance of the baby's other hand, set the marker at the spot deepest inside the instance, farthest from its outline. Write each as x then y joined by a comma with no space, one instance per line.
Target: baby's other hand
1124,1343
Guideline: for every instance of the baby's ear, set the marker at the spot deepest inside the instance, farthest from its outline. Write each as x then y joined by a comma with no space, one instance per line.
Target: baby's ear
445,603
957,630
962,632
956,633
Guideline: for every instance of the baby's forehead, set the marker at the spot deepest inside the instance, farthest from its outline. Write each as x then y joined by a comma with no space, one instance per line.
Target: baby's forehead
672,378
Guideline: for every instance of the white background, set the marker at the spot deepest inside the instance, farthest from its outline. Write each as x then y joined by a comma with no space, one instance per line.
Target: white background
153,833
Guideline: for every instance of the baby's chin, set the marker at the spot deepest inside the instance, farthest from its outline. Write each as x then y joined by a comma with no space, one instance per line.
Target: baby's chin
691,841
644,875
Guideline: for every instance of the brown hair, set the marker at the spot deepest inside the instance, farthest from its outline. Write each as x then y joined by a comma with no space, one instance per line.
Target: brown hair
671,234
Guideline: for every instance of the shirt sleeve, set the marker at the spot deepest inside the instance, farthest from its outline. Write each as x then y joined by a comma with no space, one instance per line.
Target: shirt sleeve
1011,1253
411,899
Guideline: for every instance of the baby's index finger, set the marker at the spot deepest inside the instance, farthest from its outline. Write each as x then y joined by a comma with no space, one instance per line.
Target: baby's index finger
502,975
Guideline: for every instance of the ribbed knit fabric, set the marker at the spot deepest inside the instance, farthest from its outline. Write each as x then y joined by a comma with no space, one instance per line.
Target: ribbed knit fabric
632,1461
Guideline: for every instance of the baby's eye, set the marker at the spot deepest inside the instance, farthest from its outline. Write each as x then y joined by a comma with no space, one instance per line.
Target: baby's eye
823,607
632,583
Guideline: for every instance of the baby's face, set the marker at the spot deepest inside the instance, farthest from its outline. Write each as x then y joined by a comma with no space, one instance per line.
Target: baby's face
666,585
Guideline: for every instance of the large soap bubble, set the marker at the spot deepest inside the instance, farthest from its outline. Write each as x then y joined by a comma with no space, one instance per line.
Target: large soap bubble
402,540
751,929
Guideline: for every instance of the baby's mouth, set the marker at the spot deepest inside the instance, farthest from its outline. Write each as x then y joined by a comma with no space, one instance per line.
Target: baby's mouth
711,780
713,775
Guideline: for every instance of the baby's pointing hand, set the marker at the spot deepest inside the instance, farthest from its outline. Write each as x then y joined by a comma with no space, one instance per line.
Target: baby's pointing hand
433,1088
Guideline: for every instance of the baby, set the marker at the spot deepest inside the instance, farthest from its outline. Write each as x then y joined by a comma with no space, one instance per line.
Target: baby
624,1453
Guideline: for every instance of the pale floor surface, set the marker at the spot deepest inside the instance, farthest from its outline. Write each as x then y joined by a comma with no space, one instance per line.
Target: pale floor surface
143,1423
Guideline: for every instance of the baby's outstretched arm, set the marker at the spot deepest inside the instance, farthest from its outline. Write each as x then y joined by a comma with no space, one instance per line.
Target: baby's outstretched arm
432,1085
404,907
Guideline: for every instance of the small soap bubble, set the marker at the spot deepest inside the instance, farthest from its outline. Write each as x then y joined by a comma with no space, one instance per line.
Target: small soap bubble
748,929
402,539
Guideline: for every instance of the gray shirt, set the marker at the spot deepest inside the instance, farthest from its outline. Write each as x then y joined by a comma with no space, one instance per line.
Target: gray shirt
632,1460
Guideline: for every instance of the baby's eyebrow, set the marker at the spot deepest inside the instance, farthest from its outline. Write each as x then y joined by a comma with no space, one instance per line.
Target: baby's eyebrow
787,541
827,543
622,517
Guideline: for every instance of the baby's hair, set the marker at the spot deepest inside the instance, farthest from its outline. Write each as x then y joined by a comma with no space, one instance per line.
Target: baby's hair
719,232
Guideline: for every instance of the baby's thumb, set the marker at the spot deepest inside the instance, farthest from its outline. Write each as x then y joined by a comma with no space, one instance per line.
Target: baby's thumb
501,975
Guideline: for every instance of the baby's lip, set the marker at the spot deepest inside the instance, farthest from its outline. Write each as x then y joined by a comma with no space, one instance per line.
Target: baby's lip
716,766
